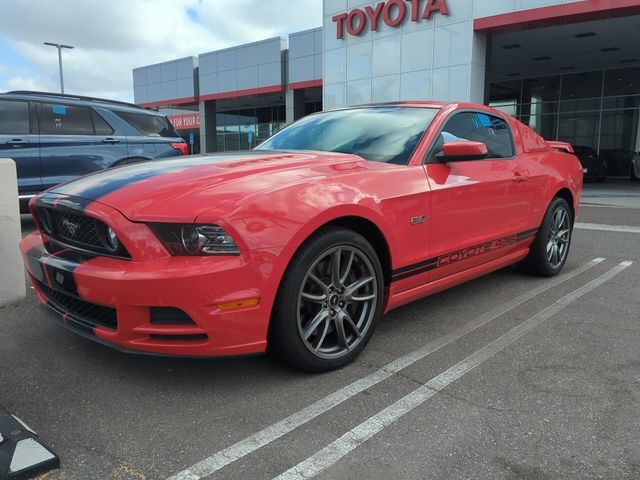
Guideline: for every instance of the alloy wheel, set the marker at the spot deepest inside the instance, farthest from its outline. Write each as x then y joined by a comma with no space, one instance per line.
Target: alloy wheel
559,237
337,302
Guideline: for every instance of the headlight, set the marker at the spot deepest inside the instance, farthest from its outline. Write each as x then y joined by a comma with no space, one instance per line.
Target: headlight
191,239
112,239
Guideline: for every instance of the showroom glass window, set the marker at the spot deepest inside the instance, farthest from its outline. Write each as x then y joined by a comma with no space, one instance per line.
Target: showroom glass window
246,128
382,134
596,109
14,117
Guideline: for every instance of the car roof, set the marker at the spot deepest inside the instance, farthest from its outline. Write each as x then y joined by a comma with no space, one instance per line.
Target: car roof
437,104
76,100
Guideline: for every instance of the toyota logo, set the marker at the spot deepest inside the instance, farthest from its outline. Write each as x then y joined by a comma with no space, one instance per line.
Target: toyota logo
70,227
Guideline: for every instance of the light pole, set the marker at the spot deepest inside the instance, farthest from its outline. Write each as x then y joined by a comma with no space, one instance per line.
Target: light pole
59,46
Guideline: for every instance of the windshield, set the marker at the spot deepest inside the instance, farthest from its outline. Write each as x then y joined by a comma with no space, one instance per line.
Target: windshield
381,134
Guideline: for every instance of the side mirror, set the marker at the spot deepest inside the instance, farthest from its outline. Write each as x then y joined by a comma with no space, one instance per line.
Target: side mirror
458,151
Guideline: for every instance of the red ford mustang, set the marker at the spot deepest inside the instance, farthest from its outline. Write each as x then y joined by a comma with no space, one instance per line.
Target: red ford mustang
302,244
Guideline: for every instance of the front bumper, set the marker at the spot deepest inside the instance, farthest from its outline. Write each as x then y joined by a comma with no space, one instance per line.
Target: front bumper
110,300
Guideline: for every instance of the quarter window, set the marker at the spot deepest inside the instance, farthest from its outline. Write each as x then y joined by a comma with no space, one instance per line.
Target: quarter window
14,117
56,119
493,131
100,126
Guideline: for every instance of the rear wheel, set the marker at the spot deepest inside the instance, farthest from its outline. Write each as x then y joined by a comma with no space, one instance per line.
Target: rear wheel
550,250
329,302
633,174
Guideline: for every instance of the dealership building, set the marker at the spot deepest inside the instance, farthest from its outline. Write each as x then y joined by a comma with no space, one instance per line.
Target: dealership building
569,69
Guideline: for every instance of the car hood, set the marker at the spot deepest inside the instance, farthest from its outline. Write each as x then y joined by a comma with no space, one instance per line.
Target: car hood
184,188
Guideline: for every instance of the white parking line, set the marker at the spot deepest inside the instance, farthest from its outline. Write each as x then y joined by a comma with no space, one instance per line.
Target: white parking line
329,455
607,228
244,447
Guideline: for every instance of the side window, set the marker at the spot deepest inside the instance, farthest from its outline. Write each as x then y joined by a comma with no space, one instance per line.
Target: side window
100,126
493,131
149,125
14,117
56,119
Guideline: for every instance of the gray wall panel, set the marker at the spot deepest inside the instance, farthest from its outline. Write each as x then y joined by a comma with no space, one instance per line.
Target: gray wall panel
154,92
139,76
185,67
208,83
208,63
227,81
184,87
244,67
247,56
169,89
140,93
227,60
270,51
169,71
270,74
305,56
165,81
302,69
154,74
248,77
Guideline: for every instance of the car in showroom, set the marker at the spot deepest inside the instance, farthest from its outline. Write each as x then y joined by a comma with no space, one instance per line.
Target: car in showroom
299,246
55,137
593,165
634,169
618,161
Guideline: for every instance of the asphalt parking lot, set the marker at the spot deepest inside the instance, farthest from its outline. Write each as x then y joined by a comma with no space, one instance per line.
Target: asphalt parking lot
505,377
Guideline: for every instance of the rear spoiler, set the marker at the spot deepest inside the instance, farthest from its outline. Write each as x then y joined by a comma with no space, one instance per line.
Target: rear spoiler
562,147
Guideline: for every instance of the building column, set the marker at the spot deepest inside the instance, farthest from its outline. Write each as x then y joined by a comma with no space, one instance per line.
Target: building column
478,69
208,134
294,103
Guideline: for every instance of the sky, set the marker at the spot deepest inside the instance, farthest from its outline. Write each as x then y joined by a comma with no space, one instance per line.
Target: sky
111,37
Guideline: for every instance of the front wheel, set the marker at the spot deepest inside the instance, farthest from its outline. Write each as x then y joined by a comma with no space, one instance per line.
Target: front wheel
329,302
550,250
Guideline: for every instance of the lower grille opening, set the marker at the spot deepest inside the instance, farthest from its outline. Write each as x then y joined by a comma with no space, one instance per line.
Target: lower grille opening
169,316
195,337
96,315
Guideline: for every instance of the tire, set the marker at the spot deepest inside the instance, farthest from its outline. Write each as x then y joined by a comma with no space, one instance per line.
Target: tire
323,318
633,175
554,235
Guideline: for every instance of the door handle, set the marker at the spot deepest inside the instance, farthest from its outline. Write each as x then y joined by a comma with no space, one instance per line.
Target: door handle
519,178
17,141
110,140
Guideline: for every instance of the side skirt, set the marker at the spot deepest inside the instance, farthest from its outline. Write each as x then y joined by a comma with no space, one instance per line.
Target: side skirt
398,299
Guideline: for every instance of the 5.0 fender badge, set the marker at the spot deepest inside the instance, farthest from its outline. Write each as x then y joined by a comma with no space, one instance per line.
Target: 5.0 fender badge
418,220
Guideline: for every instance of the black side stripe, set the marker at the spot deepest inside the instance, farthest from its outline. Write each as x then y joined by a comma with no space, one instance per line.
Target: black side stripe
460,255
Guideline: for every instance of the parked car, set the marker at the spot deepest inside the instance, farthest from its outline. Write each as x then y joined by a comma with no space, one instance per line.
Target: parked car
634,169
618,161
299,246
593,166
54,137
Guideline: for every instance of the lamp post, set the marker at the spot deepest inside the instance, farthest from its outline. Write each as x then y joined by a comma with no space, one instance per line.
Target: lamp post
59,46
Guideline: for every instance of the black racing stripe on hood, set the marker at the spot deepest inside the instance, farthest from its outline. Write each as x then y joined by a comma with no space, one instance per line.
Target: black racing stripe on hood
102,183
62,202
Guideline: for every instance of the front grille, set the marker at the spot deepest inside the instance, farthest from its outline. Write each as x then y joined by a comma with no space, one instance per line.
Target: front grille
76,230
95,315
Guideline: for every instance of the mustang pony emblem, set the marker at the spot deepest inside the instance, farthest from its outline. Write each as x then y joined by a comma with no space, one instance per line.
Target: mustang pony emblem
70,227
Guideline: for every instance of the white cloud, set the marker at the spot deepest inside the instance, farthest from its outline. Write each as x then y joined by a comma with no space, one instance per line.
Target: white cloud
111,38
